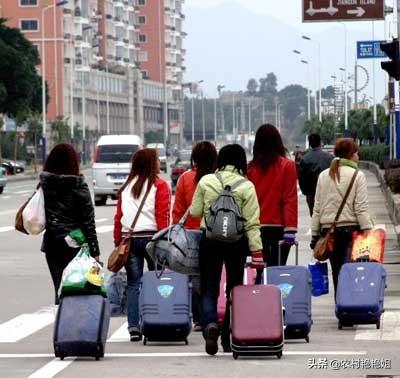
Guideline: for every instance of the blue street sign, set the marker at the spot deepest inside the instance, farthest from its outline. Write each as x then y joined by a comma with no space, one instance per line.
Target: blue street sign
370,50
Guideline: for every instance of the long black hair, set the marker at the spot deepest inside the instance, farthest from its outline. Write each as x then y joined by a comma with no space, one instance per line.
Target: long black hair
204,159
268,147
233,154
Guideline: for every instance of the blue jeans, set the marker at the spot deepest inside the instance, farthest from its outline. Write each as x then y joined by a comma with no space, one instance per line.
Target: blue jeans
134,273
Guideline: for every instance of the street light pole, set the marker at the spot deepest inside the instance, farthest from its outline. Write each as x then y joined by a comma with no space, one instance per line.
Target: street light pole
308,90
107,99
375,120
203,121
346,120
192,118
44,110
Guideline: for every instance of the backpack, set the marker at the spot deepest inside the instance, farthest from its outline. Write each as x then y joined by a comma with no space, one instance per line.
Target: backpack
225,221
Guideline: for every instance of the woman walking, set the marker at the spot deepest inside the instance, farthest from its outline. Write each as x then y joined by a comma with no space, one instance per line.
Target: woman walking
142,185
68,206
275,179
203,162
332,186
231,170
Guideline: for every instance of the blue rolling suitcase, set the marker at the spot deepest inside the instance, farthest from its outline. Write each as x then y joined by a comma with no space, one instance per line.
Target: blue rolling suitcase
81,326
360,294
165,307
295,284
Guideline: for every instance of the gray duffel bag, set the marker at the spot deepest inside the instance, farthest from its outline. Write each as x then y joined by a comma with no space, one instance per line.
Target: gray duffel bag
176,248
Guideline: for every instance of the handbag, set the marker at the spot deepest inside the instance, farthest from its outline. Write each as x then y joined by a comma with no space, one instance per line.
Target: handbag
33,215
319,278
176,248
19,220
119,255
324,246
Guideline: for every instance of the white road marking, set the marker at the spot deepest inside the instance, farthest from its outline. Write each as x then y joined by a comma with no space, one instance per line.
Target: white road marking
26,195
51,369
7,228
23,192
189,354
25,324
8,212
101,220
5,197
104,229
390,329
121,335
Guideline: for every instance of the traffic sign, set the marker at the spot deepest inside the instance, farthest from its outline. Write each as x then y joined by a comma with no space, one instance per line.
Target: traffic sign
343,10
370,50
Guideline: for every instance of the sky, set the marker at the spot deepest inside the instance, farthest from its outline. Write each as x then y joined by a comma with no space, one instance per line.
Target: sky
289,11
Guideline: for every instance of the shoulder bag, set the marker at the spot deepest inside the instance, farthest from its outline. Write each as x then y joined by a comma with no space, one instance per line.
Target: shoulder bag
324,246
119,255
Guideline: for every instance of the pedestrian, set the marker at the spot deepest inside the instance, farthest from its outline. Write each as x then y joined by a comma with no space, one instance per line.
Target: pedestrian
313,162
68,206
231,168
142,185
275,179
203,162
298,153
331,188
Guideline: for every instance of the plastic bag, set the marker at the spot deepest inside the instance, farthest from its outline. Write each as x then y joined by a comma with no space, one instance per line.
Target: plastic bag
319,276
116,291
83,275
33,216
75,238
369,245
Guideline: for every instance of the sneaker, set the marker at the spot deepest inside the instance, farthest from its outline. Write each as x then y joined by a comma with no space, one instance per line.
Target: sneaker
196,327
212,333
135,335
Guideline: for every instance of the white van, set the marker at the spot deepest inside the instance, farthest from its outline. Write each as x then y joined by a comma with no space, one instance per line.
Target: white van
162,154
112,164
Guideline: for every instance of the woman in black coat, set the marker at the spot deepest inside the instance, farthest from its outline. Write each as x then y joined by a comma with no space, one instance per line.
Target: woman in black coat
68,206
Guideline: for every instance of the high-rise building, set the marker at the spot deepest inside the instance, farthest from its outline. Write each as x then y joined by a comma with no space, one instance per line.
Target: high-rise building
111,66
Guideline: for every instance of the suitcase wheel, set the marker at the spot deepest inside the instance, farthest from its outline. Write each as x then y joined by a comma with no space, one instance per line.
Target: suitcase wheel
97,357
61,357
235,355
144,340
307,339
279,355
378,325
340,325
186,342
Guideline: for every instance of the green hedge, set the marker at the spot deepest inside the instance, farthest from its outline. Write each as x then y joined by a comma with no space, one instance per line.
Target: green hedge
377,153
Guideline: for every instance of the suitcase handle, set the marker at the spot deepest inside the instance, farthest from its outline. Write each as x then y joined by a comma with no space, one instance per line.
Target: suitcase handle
282,242
246,279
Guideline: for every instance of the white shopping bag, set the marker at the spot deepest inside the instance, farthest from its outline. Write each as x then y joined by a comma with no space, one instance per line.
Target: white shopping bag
33,215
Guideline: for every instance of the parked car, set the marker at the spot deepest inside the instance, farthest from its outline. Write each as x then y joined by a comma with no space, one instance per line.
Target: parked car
162,155
112,164
3,179
8,165
181,165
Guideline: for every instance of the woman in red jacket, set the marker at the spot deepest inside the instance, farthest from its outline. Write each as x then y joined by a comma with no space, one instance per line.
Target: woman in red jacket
203,161
143,180
275,179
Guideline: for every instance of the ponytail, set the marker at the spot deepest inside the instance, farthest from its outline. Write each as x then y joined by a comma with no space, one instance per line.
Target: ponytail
334,172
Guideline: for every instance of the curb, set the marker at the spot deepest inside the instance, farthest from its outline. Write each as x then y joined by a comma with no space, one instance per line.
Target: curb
27,177
394,211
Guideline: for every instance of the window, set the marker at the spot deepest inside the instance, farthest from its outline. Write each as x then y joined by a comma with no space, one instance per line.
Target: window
143,56
142,20
142,38
142,2
28,3
29,25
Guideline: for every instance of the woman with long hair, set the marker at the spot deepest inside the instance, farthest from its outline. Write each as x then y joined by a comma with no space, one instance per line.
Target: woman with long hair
331,188
68,206
231,170
143,180
203,162
275,179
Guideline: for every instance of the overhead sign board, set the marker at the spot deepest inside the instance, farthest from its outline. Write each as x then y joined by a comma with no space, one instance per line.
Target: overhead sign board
343,10
370,50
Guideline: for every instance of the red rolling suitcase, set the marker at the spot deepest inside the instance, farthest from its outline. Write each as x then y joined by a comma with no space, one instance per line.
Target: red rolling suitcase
257,320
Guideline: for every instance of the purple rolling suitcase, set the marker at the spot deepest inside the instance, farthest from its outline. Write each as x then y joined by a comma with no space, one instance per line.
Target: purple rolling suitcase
360,294
165,307
294,281
81,326
257,320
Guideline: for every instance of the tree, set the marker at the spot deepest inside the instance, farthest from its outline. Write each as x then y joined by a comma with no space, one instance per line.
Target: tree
60,130
328,92
326,128
252,86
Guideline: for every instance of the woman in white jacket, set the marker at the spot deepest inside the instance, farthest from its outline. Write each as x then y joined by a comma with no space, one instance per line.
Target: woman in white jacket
332,186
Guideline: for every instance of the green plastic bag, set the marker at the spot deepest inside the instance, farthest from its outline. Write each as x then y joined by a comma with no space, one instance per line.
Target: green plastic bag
83,275
75,238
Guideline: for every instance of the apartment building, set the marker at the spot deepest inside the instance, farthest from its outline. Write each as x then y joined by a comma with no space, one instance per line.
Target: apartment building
93,60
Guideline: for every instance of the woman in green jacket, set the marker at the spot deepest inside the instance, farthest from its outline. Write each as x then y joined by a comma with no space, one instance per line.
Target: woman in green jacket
232,168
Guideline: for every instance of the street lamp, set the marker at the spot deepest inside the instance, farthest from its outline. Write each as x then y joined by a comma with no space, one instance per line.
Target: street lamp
193,89
44,115
319,75
308,90
219,88
346,120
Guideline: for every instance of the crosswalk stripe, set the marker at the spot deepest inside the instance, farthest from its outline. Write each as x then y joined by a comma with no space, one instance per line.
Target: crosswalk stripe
5,229
121,335
23,191
51,369
390,329
24,325
101,220
104,229
5,197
